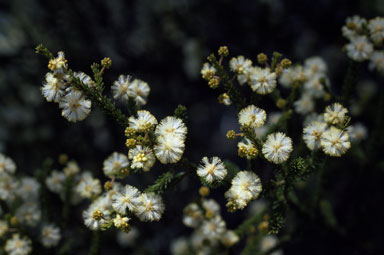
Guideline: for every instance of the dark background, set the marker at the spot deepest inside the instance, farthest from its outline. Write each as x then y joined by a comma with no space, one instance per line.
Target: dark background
165,43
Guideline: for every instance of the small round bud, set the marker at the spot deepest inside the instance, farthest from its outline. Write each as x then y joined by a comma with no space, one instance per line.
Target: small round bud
285,63
242,151
106,63
231,134
204,191
263,226
207,75
224,99
262,58
130,143
278,70
108,185
209,214
281,103
223,51
63,158
214,82
252,153
129,132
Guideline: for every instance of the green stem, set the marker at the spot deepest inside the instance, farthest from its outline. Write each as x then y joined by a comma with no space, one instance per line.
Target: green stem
95,243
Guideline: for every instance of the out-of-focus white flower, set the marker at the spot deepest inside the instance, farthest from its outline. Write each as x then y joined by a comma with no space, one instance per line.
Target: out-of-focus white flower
50,236
88,187
17,245
376,29
359,49
55,181
114,164
192,215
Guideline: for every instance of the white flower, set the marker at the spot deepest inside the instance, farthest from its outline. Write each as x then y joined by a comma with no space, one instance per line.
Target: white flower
144,121
95,216
353,26
242,67
192,215
7,165
268,242
314,66
71,168
245,146
169,149
277,148
207,71
213,229
127,199
171,126
139,90
212,169
357,132
262,81
50,236
252,116
18,246
376,29
211,207
120,87
305,104
121,222
150,208
58,63
114,164
179,246
335,114
312,134
85,79
29,188
335,142
142,157
88,187
314,87
8,187
54,87
292,74
55,181
359,49
229,238
75,106
377,61
29,213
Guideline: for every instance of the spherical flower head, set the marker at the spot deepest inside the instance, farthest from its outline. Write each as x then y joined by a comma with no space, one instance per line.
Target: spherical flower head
54,87
169,149
291,75
95,217
29,189
192,215
252,116
121,222
314,87
224,99
335,142
8,187
120,87
247,182
262,81
58,63
88,187
277,148
305,104
50,236
240,65
353,26
55,181
211,208
17,245
357,132
139,90
71,169
247,149
335,114
314,66
144,122
75,106
150,208
113,165
171,126
229,238
268,242
377,61
376,29
142,157
312,134
359,49
212,169
208,71
213,229
29,213
7,166
128,199
179,246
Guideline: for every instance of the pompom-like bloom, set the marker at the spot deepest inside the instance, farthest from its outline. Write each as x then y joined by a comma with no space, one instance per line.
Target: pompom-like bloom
357,132
376,29
213,229
335,142
212,170
120,87
315,66
144,121
208,71
88,187
352,26
268,242
192,215
377,61
247,149
139,90
277,148
95,216
150,208
142,157
50,236
114,164
55,181
8,187
304,105
252,116
29,189
75,106
359,49
242,67
29,213
58,63
18,246
7,166
312,134
169,149
171,126
229,238
335,114
127,199
54,87
262,81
